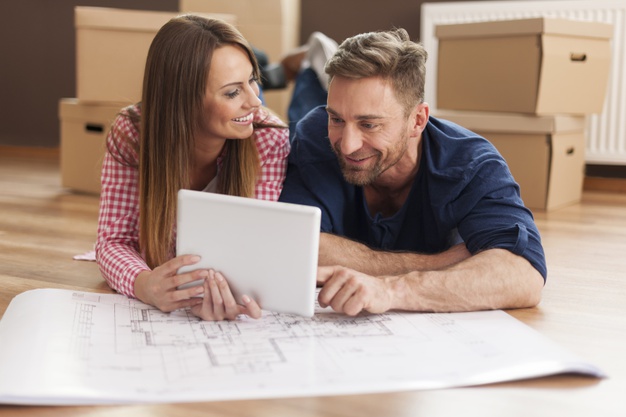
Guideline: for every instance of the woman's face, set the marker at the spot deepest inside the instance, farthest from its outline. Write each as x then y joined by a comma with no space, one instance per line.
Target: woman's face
232,96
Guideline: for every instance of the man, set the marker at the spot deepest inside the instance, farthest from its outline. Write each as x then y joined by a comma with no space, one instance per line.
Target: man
418,214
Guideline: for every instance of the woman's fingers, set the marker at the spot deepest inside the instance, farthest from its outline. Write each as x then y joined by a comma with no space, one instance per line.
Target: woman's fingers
230,306
219,302
171,267
250,308
216,297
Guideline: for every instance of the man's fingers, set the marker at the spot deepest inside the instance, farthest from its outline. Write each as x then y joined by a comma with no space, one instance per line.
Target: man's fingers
344,290
324,273
355,304
333,279
343,295
341,292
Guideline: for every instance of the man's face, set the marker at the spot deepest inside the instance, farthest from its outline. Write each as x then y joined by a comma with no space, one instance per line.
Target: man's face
368,129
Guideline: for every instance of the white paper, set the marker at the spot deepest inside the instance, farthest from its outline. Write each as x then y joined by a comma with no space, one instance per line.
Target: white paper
68,347
87,256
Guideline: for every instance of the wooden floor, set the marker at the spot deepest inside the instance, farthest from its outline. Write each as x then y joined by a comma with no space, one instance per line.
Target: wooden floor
42,226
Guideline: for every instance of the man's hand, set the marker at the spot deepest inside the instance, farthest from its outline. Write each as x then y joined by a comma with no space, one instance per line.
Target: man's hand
350,292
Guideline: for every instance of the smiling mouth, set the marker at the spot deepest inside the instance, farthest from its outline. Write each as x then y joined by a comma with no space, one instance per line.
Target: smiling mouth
357,160
244,119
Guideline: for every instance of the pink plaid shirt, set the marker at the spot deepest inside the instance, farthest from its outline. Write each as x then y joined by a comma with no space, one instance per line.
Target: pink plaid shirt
117,245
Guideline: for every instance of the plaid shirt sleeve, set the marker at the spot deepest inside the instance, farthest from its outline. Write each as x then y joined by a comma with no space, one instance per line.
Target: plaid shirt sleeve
273,146
117,245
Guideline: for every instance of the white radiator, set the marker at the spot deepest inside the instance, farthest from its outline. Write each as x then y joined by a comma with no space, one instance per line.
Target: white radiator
606,132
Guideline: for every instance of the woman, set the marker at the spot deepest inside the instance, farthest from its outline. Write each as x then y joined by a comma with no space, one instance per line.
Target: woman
200,126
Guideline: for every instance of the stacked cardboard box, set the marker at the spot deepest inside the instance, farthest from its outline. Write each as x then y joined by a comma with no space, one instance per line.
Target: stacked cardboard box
111,50
84,127
527,85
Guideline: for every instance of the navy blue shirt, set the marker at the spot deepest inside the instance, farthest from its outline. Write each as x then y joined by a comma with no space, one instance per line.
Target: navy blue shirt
463,192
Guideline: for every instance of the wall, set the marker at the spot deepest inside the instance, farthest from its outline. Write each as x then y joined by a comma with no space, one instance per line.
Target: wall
38,52
340,19
38,64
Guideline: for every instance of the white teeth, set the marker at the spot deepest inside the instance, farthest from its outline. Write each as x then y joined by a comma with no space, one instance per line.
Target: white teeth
244,119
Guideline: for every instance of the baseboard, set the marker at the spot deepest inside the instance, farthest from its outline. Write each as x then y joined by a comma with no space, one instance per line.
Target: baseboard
29,152
605,171
612,185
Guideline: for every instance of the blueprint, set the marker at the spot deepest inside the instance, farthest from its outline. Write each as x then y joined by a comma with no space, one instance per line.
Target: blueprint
67,347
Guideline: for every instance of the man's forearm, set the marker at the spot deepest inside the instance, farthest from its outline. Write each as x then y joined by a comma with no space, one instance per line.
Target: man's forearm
493,279
336,250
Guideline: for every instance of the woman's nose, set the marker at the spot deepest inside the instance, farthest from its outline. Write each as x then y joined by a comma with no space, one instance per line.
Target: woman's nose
253,96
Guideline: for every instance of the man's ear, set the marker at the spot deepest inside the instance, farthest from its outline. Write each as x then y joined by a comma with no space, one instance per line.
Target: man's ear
419,117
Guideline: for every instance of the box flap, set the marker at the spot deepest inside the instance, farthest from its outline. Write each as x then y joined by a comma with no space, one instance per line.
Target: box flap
131,20
567,170
514,122
579,28
528,158
566,62
110,18
266,12
518,27
489,74
72,108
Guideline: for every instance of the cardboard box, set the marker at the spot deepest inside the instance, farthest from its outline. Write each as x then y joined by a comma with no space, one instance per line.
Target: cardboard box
84,128
272,26
111,50
537,66
546,154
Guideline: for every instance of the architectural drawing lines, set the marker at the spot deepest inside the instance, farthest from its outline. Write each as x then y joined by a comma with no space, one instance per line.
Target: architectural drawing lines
181,343
108,348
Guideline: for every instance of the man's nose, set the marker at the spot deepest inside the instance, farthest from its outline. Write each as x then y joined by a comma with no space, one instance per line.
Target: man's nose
351,140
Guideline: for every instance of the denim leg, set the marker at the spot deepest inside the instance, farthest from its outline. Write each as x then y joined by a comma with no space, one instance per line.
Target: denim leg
308,93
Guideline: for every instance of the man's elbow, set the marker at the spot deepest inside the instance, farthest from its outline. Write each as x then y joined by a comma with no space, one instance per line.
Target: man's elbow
531,296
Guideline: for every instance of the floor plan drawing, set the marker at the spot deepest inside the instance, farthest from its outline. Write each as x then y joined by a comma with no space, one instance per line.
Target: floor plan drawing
180,343
104,348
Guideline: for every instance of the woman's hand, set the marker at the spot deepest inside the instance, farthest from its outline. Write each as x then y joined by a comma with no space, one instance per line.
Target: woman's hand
219,303
159,286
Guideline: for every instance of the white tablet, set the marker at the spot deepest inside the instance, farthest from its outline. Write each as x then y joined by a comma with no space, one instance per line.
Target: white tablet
267,250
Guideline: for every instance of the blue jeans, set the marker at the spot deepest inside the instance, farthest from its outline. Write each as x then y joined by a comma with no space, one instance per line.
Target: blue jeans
308,93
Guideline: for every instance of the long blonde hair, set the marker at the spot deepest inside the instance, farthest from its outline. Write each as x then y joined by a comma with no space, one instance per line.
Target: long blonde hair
174,85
